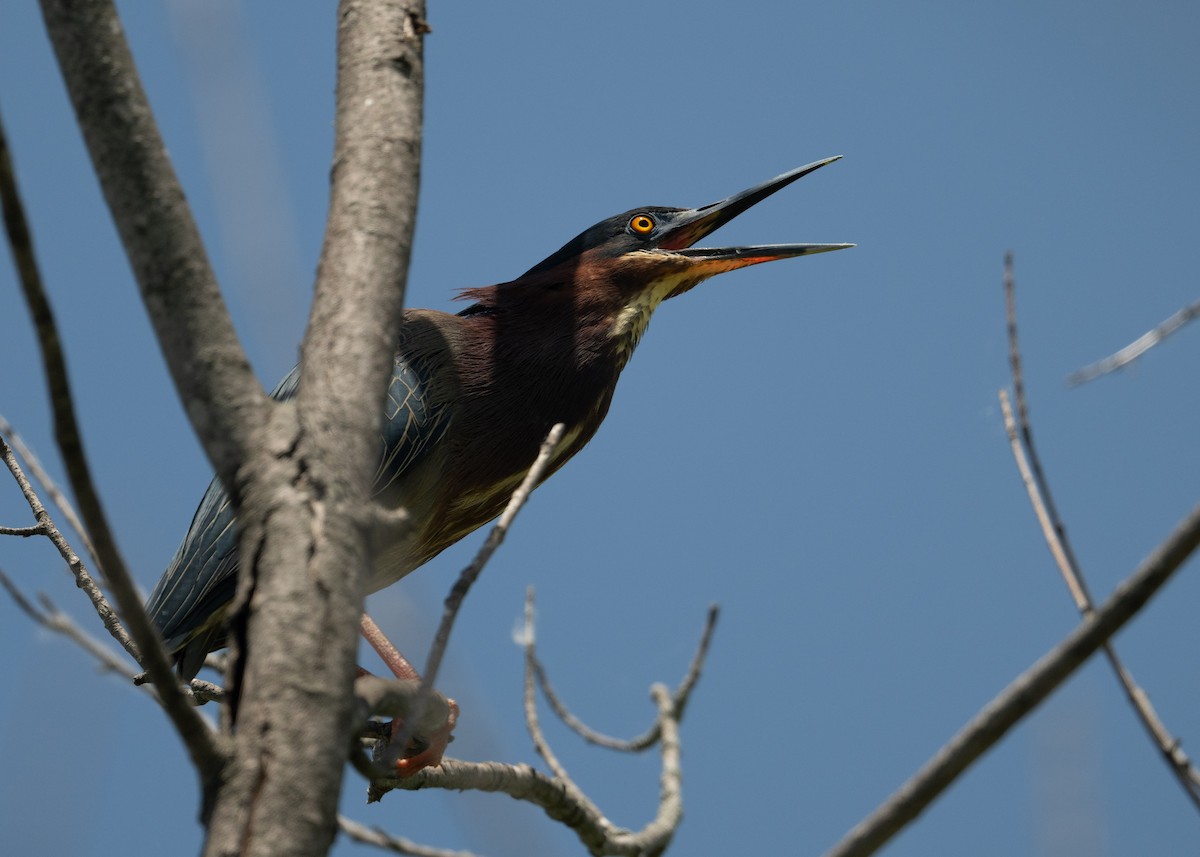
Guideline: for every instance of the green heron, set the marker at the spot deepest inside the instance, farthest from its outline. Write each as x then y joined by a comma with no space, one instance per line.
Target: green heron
474,394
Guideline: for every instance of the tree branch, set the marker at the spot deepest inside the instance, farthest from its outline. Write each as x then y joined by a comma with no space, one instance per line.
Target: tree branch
308,510
1137,348
50,617
1024,694
223,399
648,738
1033,476
560,798
57,496
83,579
395,844
204,751
468,576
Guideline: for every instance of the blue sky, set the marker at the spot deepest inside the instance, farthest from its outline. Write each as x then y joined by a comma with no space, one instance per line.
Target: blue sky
814,444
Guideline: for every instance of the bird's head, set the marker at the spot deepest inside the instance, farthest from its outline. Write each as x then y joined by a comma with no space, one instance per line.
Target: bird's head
636,260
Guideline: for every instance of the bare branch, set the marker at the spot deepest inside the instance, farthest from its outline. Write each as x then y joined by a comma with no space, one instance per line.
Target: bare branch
1038,499
521,782
540,744
395,844
57,496
471,573
206,691
1065,557
223,399
1137,348
493,541
651,736
198,693
1025,693
50,616
23,532
83,579
306,521
1168,745
190,725
654,838
1054,531
558,795
53,619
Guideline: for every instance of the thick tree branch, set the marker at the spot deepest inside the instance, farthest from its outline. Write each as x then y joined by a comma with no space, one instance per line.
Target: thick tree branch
223,399
1022,695
308,510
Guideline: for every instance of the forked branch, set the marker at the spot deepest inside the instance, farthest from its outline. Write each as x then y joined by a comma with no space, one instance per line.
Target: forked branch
1033,476
556,793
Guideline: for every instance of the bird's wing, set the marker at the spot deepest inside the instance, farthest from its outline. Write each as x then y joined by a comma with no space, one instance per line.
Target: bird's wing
202,576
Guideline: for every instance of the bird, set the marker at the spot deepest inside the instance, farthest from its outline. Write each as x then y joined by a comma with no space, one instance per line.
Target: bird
474,394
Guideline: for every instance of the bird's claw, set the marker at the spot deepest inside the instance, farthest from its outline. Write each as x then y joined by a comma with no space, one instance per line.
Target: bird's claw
425,751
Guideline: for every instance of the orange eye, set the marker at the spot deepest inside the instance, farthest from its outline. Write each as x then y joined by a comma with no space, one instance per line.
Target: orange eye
642,224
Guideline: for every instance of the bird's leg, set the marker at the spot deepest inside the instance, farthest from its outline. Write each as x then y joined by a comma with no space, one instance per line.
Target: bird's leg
425,750
400,666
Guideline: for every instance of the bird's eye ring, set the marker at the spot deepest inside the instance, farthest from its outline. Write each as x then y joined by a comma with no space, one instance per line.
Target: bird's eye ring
641,224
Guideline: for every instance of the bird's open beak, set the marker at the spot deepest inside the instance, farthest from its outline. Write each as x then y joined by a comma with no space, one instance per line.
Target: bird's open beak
689,227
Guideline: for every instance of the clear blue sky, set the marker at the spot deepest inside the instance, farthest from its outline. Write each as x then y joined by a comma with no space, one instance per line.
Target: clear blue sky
813,444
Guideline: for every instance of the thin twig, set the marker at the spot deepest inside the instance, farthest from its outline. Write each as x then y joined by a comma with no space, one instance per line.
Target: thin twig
532,724
53,619
57,496
191,726
1054,531
198,692
1023,695
1064,555
395,844
83,579
651,736
23,532
471,573
1137,348
1038,498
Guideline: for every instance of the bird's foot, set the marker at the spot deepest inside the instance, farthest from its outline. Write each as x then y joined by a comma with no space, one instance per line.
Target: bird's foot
426,750
427,740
